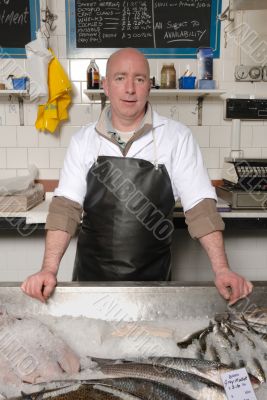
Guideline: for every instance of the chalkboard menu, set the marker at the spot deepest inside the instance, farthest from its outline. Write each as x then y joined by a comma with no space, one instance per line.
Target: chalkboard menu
159,28
19,20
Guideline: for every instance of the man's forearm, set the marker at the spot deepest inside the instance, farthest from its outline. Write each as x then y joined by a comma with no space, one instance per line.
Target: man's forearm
214,246
56,243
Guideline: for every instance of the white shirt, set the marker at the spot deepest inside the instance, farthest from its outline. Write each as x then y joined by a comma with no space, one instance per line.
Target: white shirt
175,147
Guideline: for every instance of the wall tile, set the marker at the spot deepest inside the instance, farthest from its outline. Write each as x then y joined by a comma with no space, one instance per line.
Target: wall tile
246,136
228,71
12,113
264,152
212,113
47,139
76,92
215,173
2,114
211,157
259,136
7,173
2,158
8,136
168,109
66,133
48,173
53,43
12,66
187,114
30,113
17,158
57,157
39,157
59,24
224,153
79,114
62,47
27,136
252,153
220,136
202,135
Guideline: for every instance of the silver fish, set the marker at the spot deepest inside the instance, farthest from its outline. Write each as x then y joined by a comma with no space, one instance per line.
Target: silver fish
211,370
146,389
188,340
191,384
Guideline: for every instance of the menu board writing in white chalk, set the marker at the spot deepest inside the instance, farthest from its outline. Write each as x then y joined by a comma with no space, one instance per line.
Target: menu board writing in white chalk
142,23
19,20
15,29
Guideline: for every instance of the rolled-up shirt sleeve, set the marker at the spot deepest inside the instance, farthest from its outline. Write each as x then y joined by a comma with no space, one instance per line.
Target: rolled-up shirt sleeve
64,215
203,219
189,175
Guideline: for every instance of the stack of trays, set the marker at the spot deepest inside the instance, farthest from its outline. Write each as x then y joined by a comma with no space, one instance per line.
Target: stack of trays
24,200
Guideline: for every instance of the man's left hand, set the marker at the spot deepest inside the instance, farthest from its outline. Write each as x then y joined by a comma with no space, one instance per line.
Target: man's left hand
232,286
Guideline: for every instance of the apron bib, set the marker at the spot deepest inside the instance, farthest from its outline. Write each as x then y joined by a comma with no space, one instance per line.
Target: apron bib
127,225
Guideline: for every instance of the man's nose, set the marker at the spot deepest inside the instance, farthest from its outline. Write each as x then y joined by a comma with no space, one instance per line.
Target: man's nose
130,86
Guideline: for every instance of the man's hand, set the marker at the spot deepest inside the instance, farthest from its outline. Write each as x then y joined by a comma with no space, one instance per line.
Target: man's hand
40,285
232,286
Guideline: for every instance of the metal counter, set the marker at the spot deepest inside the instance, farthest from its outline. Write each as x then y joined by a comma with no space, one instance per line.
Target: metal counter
129,301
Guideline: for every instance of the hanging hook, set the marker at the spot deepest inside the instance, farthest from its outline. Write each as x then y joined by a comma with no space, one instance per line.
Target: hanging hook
48,20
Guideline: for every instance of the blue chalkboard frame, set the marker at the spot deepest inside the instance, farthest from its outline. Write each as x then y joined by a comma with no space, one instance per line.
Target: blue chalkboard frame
74,52
14,52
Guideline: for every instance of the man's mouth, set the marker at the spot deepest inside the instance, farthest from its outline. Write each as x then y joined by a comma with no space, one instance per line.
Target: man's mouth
132,100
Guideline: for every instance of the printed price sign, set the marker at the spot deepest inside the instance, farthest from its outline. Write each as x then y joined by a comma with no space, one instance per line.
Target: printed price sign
237,385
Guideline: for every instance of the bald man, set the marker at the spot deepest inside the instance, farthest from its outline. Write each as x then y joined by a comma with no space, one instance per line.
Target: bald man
122,176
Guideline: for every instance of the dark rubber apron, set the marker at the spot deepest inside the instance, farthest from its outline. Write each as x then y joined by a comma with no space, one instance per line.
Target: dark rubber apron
126,231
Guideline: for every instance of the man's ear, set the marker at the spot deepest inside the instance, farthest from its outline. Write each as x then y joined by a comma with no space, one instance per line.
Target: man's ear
105,86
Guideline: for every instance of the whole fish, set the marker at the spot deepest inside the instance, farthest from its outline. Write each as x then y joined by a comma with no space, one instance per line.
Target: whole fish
188,340
255,368
82,392
211,370
191,384
146,389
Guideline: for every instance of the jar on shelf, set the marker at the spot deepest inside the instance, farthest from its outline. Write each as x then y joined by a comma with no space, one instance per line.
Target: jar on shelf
168,77
93,76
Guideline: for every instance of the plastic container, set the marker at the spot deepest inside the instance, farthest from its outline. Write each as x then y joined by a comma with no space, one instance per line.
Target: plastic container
187,82
93,76
20,83
205,63
168,77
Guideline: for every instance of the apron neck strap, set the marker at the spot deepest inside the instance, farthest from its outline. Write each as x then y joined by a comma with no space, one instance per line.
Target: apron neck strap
155,162
155,150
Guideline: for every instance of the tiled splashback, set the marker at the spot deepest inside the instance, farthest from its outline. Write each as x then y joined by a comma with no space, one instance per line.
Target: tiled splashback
23,145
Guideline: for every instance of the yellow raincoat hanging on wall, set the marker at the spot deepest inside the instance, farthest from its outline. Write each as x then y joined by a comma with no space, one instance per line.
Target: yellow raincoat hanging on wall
55,110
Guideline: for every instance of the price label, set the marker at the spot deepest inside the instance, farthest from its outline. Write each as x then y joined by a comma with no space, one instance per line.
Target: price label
237,385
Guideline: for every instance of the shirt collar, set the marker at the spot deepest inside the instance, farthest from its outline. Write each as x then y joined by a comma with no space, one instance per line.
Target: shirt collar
105,128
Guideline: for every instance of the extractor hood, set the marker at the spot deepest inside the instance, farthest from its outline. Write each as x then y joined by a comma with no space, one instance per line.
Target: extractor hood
248,4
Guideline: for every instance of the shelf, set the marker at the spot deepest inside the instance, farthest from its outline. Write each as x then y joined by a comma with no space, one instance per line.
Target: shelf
98,94
20,94
12,92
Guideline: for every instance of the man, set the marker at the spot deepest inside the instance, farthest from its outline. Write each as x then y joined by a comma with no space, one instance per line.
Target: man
125,172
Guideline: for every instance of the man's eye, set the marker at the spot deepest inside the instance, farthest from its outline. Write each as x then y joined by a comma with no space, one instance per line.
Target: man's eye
119,78
140,80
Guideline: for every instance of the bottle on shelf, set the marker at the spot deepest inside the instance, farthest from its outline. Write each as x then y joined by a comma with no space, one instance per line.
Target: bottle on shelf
168,77
93,76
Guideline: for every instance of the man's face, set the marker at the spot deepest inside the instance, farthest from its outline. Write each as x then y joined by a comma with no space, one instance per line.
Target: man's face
127,85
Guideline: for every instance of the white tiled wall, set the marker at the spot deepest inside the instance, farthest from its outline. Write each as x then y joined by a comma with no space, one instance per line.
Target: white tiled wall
21,146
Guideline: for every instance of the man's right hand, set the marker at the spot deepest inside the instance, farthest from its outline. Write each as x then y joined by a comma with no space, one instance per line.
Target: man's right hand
40,285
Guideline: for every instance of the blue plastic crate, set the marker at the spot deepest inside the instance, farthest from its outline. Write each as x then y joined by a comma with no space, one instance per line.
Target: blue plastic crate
187,82
20,83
